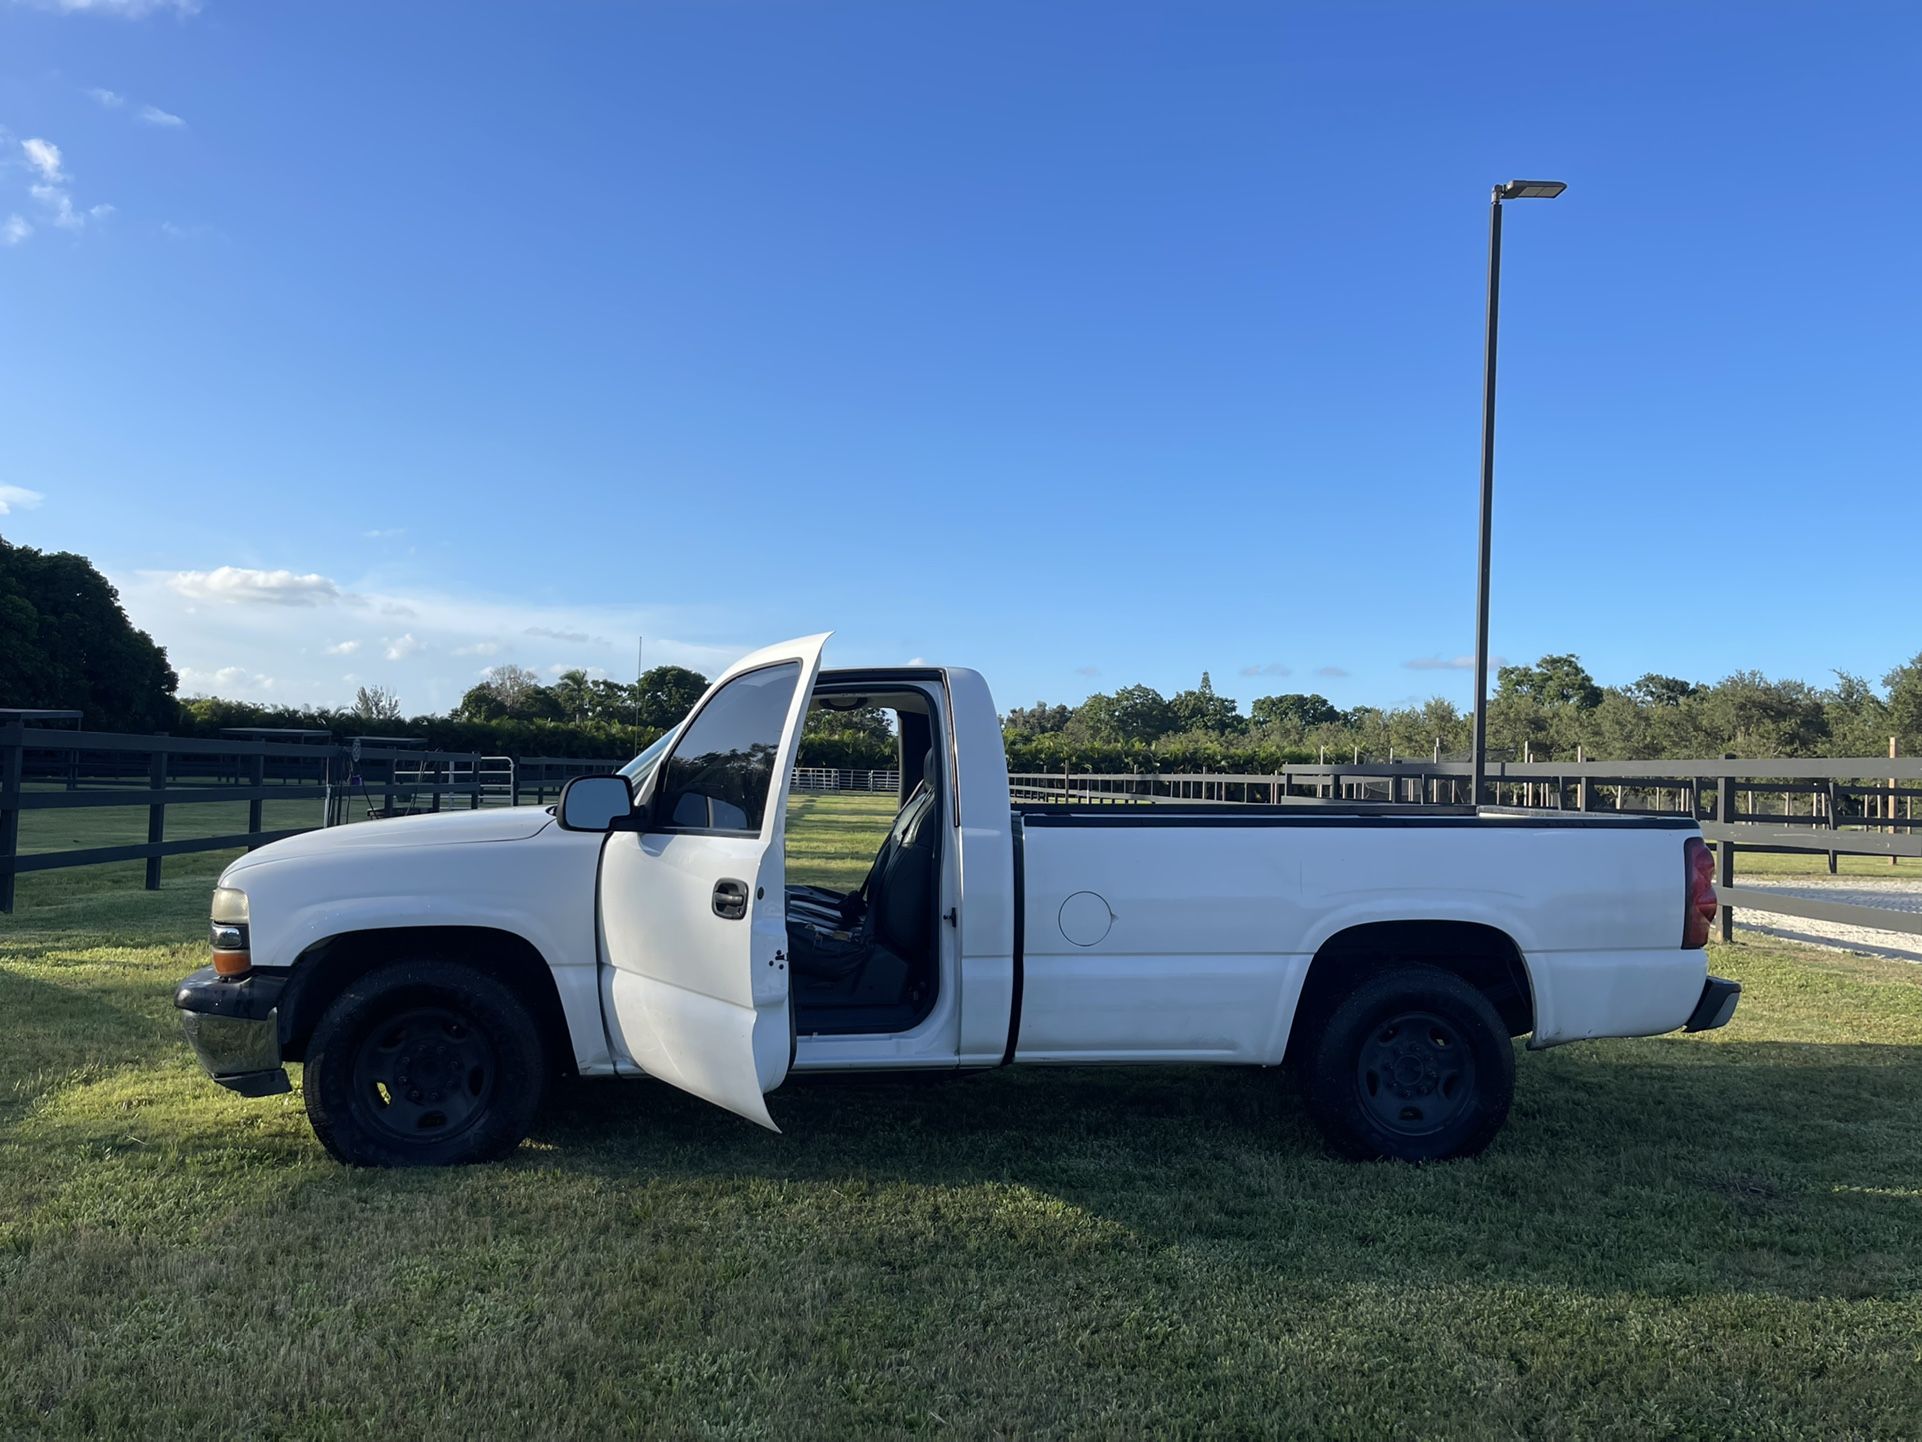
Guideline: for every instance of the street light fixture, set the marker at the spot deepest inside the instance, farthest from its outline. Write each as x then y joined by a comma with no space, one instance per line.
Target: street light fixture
1513,190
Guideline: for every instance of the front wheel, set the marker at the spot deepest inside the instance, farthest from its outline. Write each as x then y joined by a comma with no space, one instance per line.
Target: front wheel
1413,1065
423,1064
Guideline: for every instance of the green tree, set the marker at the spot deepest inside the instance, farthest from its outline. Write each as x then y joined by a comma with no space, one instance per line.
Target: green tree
1294,712
1200,709
510,692
1753,716
66,643
1138,715
1551,681
668,693
572,692
374,703
1037,720
1655,689
1904,685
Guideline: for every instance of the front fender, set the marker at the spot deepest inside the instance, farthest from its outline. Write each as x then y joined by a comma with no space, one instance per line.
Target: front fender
540,890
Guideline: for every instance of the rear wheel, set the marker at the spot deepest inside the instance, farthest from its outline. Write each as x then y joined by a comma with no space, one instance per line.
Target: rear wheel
423,1064
1414,1064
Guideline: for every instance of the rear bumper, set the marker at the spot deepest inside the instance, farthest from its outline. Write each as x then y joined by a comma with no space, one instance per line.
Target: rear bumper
1719,996
234,1028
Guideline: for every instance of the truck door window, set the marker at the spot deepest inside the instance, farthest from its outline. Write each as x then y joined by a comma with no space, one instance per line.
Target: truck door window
722,769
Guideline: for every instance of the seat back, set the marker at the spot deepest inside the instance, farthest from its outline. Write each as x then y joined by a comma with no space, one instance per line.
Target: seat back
900,888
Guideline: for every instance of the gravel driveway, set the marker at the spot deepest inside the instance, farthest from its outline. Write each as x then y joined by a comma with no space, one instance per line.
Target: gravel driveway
1898,893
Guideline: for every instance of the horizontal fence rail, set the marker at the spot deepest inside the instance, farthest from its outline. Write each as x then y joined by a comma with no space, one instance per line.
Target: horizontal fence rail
80,771
539,779
830,778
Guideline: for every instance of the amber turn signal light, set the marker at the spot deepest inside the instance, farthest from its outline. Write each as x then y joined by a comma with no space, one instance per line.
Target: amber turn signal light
233,963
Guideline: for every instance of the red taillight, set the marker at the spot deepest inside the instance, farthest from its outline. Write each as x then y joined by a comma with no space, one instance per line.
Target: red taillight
1698,866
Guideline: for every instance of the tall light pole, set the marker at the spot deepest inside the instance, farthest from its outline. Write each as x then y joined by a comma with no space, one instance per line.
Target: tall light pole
1514,190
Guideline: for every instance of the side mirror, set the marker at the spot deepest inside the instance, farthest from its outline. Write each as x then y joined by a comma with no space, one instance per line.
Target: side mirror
595,803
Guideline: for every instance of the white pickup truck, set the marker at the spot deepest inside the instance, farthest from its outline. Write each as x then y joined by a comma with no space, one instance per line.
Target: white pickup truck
433,973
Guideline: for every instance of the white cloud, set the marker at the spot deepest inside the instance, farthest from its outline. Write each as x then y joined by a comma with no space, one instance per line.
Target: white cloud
1265,668
111,99
50,191
238,584
15,230
124,9
479,648
44,157
343,648
399,648
59,206
385,535
154,115
234,682
551,634
1087,670
1448,663
289,641
18,498
1332,671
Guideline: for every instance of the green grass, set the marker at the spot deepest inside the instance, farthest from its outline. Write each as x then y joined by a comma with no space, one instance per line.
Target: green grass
1815,863
1695,1236
831,840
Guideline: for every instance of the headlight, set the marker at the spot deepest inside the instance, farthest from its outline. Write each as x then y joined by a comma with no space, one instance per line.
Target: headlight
232,948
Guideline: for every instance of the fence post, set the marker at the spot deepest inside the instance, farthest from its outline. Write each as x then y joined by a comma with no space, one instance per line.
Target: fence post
257,775
1725,849
473,776
11,772
156,815
1830,804
1890,811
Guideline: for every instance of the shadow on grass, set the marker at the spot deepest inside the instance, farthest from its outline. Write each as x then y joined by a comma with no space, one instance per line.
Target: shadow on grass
1666,1165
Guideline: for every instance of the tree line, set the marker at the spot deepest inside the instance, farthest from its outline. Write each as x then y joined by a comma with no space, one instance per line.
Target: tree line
68,644
1552,709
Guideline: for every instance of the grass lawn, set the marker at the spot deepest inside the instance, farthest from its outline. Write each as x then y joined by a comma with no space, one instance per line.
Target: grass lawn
1816,863
1713,1235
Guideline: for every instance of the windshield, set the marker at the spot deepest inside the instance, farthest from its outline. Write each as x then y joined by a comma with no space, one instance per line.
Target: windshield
641,767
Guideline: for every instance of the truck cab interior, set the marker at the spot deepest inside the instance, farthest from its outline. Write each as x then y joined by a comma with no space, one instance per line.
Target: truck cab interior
865,957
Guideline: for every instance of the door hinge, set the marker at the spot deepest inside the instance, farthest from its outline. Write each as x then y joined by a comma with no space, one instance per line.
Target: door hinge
953,918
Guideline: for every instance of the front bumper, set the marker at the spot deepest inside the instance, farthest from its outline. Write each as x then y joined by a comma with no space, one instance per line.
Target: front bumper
1719,996
234,1028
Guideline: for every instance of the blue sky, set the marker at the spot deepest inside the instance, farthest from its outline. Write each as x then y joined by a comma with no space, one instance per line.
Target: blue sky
1079,343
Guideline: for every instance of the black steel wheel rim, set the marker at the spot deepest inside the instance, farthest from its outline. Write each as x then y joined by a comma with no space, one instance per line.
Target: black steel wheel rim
1415,1074
424,1075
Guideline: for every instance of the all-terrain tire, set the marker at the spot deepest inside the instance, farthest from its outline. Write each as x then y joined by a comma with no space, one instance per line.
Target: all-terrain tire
1412,1065
424,1064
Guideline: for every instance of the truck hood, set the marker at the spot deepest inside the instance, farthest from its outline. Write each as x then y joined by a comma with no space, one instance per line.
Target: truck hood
439,828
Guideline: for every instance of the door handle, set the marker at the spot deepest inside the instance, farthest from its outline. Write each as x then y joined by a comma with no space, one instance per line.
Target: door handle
730,899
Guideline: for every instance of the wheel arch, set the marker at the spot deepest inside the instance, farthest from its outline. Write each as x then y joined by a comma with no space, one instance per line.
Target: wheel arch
1484,956
327,967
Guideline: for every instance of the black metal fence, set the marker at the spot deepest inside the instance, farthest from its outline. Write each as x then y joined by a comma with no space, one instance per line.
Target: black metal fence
539,779
43,770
